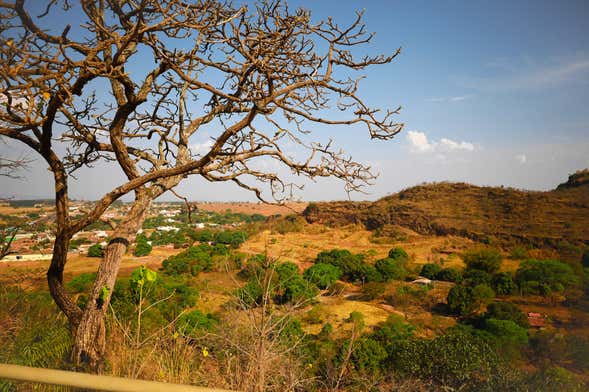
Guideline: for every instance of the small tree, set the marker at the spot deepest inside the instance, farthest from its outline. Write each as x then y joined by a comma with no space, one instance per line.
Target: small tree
398,254
449,275
484,259
323,275
430,270
142,247
95,251
390,269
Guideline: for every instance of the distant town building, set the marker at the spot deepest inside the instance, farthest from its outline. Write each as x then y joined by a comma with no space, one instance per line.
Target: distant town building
167,228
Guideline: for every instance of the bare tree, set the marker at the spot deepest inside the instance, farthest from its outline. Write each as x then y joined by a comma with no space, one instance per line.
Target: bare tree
9,167
138,82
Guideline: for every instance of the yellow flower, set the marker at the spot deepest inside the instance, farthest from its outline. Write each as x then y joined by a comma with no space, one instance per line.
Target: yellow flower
205,352
310,365
176,334
46,95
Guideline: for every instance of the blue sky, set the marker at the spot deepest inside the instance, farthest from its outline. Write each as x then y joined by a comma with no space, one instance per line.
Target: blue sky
493,93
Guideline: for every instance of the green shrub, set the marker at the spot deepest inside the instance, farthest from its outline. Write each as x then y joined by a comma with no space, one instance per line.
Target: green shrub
297,289
544,276
482,295
503,283
430,270
519,253
460,300
352,266
485,259
455,360
474,277
233,238
142,247
95,251
556,379
192,260
399,254
373,290
82,283
251,294
195,322
322,275
368,356
449,275
464,300
506,331
390,269
506,311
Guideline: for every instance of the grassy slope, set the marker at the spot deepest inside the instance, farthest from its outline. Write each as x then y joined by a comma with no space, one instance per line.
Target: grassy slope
498,214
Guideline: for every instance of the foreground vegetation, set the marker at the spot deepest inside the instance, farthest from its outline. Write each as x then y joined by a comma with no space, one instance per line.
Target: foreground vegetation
214,315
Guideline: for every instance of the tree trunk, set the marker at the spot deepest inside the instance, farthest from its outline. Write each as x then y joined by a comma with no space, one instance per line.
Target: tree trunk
89,343
55,280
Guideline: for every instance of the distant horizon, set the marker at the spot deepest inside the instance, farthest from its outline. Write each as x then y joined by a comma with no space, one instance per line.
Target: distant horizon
254,201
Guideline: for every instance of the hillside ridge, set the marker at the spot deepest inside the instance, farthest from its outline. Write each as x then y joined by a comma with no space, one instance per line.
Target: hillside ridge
482,213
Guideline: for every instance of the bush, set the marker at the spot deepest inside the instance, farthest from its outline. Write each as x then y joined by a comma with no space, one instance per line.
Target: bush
192,260
142,248
503,283
449,275
390,269
544,276
519,253
457,360
352,266
82,283
195,322
297,289
369,356
233,238
507,331
484,259
475,277
95,251
323,275
506,311
399,254
430,270
373,290
482,295
392,331
464,300
460,300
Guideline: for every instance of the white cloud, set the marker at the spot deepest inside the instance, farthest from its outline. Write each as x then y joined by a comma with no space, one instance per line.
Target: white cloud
200,148
521,158
458,98
419,142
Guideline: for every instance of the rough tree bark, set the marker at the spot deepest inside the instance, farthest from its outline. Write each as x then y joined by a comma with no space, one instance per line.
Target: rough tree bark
90,342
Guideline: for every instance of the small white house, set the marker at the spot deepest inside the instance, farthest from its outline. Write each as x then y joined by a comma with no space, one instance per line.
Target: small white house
100,234
167,228
422,281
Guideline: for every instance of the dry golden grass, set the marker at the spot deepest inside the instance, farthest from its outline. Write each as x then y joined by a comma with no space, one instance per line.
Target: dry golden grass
303,247
254,208
337,310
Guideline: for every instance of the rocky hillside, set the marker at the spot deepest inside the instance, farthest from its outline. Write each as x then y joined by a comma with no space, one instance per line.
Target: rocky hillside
486,214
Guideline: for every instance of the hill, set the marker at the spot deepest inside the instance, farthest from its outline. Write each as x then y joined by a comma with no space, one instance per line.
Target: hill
487,214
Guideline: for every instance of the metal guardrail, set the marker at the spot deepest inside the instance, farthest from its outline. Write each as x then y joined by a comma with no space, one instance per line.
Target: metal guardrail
92,381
